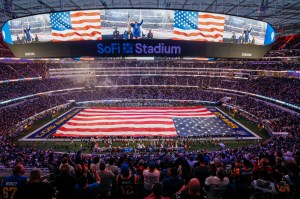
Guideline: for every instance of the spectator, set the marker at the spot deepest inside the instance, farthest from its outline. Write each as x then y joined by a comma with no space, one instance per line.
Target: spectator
293,180
85,190
263,187
12,186
127,183
96,162
107,177
150,35
173,183
157,192
151,175
190,191
201,172
216,186
112,167
35,188
65,183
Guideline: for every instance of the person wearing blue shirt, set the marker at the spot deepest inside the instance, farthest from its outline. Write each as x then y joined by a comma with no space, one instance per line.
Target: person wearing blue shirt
136,29
11,186
27,34
125,35
173,183
247,35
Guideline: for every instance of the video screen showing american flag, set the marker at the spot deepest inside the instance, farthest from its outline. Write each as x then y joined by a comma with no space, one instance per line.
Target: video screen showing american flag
198,26
126,24
76,25
57,27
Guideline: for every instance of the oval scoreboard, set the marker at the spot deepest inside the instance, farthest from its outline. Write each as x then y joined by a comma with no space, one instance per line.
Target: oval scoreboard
137,32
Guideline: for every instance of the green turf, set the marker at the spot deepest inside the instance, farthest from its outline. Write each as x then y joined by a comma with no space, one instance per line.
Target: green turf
75,146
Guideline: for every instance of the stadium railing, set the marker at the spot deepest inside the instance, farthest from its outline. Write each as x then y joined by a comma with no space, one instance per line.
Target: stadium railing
7,172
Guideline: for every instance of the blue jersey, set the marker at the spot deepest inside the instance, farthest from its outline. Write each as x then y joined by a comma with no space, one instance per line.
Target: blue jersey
11,185
27,34
247,35
136,29
127,185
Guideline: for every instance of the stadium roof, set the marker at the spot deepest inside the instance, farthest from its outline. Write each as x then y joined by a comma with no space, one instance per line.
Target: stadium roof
282,14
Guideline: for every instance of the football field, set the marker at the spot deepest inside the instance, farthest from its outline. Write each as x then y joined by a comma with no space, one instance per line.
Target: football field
142,122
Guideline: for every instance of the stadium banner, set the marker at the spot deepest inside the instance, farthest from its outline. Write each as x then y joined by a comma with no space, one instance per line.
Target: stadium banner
150,32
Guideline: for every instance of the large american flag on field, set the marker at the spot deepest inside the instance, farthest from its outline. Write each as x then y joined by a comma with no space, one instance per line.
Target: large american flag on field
76,25
138,121
198,26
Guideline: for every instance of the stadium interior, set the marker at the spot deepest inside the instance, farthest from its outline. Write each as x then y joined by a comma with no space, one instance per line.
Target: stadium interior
112,127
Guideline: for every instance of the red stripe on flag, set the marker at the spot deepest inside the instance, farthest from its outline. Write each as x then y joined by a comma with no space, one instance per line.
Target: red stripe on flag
125,135
116,129
121,122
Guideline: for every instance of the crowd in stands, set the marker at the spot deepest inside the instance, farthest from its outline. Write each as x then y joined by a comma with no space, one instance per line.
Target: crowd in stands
287,42
267,170
278,120
22,88
270,169
170,64
283,89
278,88
4,51
9,71
10,116
283,53
15,70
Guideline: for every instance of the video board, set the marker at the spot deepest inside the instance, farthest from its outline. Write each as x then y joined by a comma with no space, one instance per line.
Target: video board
122,25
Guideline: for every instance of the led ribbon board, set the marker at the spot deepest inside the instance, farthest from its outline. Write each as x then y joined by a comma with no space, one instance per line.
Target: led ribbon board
137,32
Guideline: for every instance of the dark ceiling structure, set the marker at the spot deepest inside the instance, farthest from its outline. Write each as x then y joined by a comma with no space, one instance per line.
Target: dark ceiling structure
283,15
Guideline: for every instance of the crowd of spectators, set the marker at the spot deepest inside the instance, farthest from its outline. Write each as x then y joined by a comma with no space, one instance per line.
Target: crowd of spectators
284,89
277,119
26,69
175,64
4,51
278,88
13,90
269,169
283,53
11,115
287,42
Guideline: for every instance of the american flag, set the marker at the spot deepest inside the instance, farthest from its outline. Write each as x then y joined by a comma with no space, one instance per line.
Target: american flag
76,25
198,26
141,121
